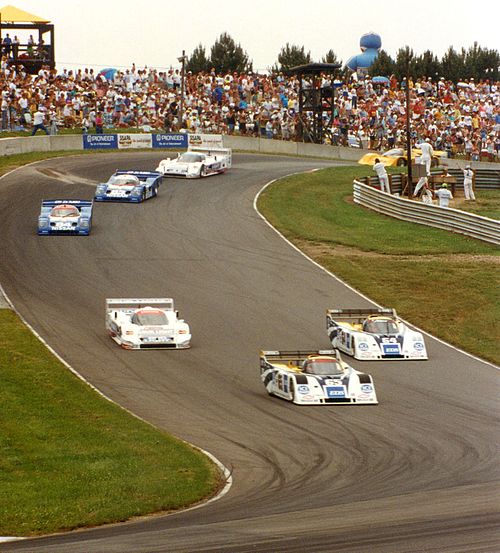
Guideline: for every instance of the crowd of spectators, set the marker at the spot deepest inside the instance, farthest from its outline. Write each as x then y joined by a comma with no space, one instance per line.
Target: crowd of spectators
462,118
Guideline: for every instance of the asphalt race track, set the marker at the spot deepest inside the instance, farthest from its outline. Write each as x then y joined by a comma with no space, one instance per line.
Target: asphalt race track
419,472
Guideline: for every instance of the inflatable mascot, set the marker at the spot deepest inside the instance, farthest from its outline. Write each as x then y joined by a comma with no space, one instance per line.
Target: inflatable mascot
370,45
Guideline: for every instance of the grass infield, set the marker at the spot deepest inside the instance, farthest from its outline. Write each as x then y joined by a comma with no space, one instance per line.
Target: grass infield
444,283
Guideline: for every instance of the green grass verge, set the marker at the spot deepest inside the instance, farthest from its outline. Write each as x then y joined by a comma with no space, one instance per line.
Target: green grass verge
445,283
71,459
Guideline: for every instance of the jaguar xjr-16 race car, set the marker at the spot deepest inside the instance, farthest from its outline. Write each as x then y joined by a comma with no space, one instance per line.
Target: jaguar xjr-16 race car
129,186
315,378
373,334
65,217
146,323
197,162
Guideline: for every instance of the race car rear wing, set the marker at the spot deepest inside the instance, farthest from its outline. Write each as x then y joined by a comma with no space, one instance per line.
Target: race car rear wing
295,356
356,315
226,152
141,175
84,206
128,305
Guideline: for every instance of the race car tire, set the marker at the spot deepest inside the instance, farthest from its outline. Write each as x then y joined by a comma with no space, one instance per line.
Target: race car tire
292,390
203,171
401,162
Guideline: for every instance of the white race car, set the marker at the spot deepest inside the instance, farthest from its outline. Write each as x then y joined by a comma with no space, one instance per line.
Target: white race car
146,323
315,378
373,334
197,162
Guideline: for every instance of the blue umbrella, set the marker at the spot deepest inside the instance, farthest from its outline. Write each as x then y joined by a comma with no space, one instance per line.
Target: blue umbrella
108,73
380,79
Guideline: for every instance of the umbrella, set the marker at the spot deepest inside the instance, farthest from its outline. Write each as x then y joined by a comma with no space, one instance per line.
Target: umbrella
108,73
380,79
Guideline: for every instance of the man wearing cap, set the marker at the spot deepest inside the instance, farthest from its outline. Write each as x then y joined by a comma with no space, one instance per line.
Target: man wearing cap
444,195
468,176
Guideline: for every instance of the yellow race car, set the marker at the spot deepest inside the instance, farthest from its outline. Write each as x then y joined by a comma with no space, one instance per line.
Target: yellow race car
397,157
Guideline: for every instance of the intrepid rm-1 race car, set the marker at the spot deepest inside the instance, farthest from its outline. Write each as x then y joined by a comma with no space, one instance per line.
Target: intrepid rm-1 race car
397,157
373,334
146,323
129,186
65,217
315,378
197,162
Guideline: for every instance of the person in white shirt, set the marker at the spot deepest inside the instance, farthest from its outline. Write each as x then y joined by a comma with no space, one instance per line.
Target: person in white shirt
468,176
383,178
444,195
38,118
426,194
427,152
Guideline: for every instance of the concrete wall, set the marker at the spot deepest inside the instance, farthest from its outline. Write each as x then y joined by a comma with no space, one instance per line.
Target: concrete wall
43,143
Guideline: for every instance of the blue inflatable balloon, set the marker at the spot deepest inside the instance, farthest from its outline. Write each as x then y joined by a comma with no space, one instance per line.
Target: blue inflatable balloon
370,44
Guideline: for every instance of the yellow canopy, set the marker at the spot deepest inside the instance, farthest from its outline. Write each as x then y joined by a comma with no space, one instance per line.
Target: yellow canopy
10,14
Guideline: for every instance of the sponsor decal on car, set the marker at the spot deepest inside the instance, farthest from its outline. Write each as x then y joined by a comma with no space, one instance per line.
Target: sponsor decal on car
303,389
419,346
366,388
390,349
363,346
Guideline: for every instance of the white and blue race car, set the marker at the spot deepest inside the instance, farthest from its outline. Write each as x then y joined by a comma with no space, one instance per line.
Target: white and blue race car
129,186
146,323
197,162
373,334
65,217
315,378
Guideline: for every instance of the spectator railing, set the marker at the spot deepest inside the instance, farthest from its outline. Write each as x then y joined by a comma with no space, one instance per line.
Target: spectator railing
454,220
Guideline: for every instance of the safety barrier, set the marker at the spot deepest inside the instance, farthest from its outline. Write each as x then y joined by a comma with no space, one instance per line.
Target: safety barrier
454,220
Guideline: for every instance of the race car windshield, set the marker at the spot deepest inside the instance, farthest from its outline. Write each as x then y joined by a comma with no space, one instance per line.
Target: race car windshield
124,180
65,211
190,158
149,318
324,367
393,153
381,327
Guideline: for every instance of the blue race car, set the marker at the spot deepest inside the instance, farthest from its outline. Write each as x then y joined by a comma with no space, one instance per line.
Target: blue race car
129,186
65,217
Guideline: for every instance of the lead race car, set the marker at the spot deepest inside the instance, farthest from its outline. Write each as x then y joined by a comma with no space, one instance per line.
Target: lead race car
197,162
315,378
373,334
65,217
129,186
146,323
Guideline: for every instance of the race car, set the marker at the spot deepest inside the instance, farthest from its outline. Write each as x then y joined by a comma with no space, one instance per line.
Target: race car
373,334
197,162
129,186
398,157
65,217
146,323
315,378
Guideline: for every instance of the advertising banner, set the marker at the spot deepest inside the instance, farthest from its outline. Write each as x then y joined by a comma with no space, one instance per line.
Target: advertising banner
170,140
206,140
100,141
134,141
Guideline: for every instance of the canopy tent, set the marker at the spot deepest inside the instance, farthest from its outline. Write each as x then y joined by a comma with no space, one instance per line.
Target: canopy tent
11,14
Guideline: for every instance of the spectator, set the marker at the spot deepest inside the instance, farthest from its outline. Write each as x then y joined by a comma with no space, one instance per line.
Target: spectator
444,195
99,122
7,45
427,153
426,194
38,118
383,178
468,179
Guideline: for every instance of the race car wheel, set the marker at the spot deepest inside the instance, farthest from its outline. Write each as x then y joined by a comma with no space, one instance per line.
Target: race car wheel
401,162
203,171
292,389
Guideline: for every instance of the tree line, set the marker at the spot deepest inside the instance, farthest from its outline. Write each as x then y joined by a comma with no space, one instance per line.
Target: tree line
477,63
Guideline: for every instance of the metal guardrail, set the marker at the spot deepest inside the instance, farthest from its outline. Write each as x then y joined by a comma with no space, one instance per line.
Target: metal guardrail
446,218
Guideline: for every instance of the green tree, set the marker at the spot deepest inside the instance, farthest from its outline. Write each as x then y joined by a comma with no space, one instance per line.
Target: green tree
331,57
453,65
481,63
383,65
405,63
198,60
427,65
291,56
228,56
